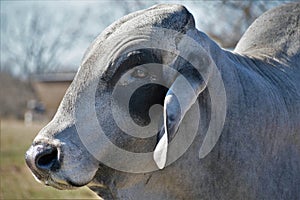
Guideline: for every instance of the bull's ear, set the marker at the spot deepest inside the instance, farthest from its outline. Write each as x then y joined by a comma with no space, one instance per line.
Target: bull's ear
172,115
179,99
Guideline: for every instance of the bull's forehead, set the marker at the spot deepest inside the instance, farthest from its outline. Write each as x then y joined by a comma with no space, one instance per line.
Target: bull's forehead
126,34
132,32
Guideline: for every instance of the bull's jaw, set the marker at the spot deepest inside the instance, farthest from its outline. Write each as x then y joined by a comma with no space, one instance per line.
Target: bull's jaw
103,191
108,182
103,183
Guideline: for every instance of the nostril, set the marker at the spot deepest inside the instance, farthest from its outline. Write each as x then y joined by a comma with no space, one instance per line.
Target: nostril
48,159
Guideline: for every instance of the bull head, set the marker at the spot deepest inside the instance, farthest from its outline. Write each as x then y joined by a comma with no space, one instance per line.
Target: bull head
70,151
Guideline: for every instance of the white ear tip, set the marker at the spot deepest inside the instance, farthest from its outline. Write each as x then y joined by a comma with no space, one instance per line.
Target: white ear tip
160,162
160,152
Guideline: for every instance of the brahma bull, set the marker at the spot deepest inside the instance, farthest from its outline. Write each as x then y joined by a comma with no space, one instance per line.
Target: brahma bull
230,123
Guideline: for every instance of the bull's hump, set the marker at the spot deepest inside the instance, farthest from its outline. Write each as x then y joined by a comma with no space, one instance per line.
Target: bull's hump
274,34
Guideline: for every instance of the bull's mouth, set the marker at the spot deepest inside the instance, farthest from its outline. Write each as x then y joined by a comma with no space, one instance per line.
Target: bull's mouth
58,183
61,186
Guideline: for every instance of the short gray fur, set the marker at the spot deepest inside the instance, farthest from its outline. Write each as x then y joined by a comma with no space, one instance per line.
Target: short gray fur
258,153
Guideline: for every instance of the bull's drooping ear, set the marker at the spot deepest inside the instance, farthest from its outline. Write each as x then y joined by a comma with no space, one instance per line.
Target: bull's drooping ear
171,119
179,99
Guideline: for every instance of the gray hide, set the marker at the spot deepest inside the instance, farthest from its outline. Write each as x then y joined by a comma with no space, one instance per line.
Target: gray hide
258,153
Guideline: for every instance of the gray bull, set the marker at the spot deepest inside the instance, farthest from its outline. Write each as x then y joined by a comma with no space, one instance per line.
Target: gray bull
245,144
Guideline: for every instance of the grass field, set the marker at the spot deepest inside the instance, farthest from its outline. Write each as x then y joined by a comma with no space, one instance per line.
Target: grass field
16,180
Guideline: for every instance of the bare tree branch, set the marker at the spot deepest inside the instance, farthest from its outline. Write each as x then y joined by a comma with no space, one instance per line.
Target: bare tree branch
34,46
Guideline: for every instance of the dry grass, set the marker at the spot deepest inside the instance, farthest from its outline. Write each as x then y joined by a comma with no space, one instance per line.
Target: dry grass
16,180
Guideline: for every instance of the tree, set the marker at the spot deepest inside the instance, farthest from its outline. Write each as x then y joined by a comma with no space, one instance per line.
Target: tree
38,39
225,21
35,41
249,11
228,19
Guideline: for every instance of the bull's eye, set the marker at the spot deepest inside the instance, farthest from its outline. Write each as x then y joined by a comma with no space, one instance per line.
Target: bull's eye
139,73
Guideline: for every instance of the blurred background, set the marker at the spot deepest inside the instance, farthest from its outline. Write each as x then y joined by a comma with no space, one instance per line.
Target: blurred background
42,43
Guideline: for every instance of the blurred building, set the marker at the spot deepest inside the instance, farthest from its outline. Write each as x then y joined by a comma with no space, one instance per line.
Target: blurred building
50,88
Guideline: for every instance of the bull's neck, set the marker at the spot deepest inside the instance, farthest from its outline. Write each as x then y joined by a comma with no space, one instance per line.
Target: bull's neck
255,85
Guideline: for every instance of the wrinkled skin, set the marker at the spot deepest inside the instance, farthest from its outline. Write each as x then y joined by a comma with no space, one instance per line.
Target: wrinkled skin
258,153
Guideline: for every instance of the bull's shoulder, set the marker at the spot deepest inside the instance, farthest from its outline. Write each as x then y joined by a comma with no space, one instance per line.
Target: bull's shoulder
275,34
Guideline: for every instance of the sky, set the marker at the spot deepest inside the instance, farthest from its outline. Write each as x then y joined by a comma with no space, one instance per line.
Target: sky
61,17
